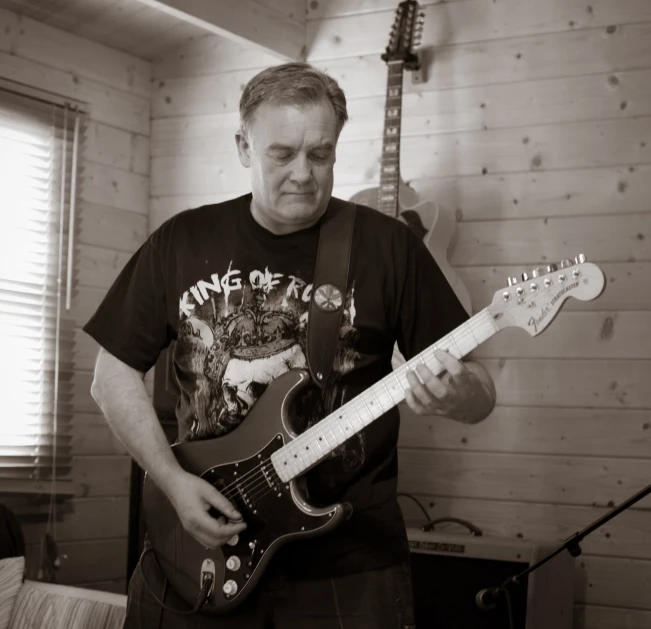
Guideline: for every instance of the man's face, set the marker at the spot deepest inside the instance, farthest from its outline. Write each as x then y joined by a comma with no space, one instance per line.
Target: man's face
291,154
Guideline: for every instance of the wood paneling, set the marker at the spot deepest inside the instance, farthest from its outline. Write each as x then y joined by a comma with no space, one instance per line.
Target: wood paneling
535,430
476,108
85,519
569,480
572,145
531,242
28,39
112,228
601,617
570,53
83,561
125,25
572,382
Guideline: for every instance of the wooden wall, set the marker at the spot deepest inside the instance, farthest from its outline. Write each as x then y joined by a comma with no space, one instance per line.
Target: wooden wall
112,223
534,129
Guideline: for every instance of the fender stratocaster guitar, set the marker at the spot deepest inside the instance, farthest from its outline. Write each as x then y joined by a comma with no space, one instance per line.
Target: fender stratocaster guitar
259,466
395,197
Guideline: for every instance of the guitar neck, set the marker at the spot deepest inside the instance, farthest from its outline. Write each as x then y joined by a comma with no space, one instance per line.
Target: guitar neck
390,161
316,443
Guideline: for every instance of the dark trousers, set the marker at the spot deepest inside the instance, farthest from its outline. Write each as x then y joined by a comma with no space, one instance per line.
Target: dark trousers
376,599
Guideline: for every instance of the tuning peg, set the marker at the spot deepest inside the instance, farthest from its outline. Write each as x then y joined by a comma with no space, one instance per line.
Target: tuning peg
565,263
512,281
537,272
525,277
580,259
551,268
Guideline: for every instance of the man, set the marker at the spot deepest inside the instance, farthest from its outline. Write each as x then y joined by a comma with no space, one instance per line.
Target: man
231,284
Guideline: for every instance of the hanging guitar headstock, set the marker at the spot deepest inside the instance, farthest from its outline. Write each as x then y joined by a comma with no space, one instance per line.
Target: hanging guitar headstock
533,303
405,35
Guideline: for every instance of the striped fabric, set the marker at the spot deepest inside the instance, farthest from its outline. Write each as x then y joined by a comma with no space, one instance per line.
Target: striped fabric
12,572
52,606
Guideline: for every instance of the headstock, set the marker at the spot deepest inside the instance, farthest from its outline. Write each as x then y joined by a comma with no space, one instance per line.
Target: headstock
405,35
533,302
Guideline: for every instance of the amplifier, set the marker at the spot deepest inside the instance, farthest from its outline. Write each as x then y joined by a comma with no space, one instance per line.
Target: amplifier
449,570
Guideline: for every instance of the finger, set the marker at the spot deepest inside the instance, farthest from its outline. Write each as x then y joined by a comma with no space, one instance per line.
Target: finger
413,403
219,501
213,533
434,385
457,370
420,392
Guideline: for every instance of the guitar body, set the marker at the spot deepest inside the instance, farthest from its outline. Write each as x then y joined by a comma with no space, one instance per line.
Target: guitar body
437,238
238,465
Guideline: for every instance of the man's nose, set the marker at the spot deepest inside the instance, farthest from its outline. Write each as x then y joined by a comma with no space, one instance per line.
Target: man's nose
301,169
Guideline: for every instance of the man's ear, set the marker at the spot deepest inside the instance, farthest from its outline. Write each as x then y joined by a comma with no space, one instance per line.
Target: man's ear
243,148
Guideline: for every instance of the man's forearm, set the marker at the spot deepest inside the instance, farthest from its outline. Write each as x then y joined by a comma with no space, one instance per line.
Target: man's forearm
120,392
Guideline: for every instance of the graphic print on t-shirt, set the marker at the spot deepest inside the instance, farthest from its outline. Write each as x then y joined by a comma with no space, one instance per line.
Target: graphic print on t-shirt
238,332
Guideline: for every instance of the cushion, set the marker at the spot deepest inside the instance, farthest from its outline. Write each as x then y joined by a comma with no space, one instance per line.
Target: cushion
53,606
12,573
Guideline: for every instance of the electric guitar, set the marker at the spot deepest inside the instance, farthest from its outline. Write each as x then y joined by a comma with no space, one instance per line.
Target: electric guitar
259,466
395,197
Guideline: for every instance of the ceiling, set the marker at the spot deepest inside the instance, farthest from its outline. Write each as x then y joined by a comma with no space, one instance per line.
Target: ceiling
126,25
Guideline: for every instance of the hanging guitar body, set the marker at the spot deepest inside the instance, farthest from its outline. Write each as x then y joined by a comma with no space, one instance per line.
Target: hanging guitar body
239,466
438,237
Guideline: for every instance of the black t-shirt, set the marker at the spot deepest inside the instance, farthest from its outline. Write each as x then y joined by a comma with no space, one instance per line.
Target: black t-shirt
234,297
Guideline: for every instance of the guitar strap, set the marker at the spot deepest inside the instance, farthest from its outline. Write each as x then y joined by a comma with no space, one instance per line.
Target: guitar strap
330,288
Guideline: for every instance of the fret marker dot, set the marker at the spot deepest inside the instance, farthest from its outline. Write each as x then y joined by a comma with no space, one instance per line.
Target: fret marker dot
296,456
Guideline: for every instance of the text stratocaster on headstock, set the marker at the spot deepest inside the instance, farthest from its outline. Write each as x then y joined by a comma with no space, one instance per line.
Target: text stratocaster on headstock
533,302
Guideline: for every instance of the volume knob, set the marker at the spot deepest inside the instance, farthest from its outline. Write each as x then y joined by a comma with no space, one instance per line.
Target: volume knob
230,588
233,563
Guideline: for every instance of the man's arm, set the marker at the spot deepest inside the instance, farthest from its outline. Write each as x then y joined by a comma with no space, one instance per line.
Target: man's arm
120,392
465,392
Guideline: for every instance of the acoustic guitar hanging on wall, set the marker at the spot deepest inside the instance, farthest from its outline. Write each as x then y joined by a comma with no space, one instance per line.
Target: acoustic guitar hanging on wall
393,196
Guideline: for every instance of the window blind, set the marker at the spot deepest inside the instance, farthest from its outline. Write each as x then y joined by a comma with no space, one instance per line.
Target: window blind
38,141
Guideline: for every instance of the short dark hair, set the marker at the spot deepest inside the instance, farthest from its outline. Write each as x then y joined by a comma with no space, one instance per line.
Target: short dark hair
292,83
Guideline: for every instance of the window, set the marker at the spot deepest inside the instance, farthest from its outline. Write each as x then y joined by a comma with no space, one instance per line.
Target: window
38,155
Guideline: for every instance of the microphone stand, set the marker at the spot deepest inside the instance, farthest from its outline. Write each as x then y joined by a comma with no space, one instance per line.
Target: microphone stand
486,599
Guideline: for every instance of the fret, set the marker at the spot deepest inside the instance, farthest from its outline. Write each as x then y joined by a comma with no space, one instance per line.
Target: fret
388,392
378,399
388,198
398,381
389,169
455,344
391,131
469,328
389,186
361,397
349,430
394,112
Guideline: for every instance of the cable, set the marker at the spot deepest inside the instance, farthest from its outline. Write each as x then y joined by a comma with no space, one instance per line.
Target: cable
204,592
427,516
509,607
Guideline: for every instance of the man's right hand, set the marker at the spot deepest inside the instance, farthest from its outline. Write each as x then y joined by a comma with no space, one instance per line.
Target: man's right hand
192,497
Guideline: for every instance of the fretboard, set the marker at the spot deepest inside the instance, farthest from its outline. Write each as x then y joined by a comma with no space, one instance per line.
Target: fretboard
390,161
316,443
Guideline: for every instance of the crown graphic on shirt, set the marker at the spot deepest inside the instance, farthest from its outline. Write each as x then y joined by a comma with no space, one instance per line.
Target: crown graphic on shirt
255,332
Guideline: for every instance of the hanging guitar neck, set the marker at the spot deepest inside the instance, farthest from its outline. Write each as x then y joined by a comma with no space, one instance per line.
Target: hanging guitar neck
390,160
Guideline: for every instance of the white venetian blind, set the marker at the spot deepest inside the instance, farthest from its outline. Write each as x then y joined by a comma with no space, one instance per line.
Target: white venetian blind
37,161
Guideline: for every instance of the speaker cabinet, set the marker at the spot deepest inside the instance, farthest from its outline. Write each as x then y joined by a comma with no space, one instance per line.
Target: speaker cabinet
449,570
